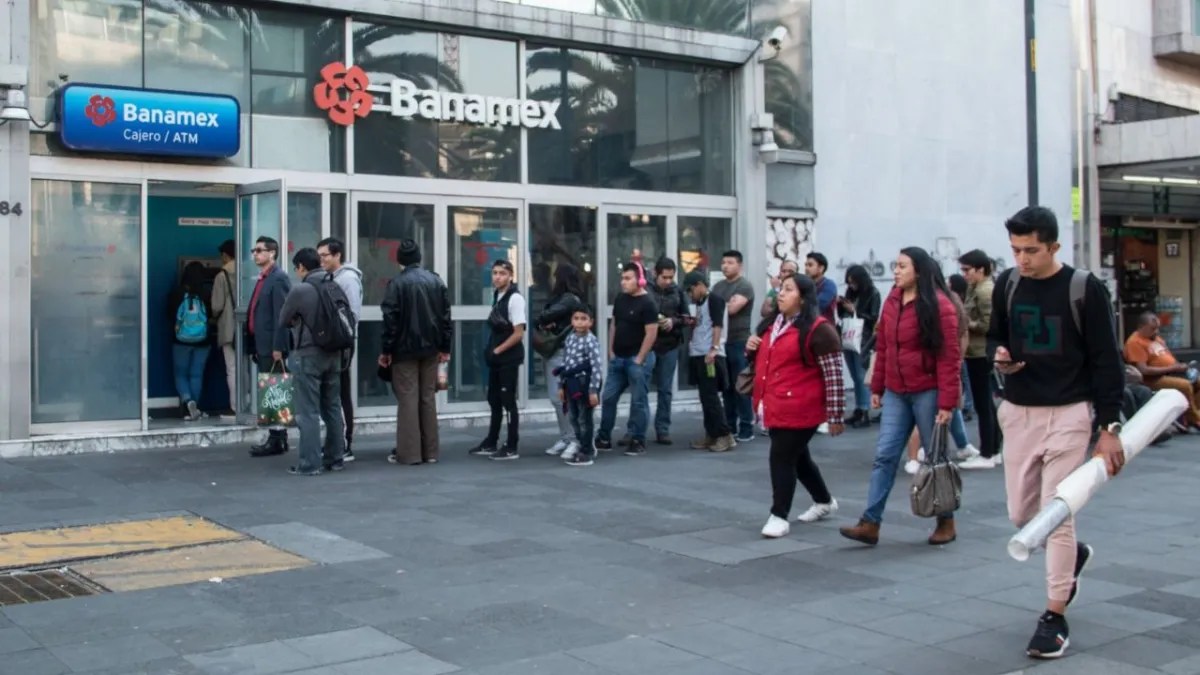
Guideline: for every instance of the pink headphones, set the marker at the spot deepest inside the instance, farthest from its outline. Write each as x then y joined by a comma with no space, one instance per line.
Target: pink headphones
641,275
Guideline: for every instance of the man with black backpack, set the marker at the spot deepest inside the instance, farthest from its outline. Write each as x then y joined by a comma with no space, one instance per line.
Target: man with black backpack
322,325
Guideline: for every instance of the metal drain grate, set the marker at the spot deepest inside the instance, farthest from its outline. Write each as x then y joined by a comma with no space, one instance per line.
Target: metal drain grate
22,588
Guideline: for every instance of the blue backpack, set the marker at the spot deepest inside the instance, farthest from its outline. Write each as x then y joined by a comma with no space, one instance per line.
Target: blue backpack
191,320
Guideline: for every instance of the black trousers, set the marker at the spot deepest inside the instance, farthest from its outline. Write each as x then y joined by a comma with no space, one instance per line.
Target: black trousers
347,406
979,372
502,397
713,409
791,461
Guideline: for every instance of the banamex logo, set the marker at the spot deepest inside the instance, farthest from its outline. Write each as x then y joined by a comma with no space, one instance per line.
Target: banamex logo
101,110
327,94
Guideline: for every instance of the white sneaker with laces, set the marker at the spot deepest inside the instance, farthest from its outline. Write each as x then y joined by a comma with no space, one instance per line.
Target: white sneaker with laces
969,452
921,455
818,512
571,451
981,463
776,527
557,448
911,467
824,428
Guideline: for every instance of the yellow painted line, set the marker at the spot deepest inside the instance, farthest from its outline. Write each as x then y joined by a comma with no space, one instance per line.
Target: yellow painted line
42,547
188,565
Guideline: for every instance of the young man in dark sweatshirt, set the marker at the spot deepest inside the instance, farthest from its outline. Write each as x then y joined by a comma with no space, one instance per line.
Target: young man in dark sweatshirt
1063,380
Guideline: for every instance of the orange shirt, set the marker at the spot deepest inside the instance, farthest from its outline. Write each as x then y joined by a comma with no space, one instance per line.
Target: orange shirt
1153,353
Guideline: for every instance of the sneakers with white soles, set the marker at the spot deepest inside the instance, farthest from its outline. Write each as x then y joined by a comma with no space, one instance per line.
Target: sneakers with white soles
557,448
571,451
818,512
981,462
911,467
776,527
969,452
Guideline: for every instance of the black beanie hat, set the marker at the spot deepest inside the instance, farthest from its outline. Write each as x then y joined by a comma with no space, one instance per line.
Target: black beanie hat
408,253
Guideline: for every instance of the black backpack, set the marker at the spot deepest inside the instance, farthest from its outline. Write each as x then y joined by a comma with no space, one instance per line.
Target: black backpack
334,327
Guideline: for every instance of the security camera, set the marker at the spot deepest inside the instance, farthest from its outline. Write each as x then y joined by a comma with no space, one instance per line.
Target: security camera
776,38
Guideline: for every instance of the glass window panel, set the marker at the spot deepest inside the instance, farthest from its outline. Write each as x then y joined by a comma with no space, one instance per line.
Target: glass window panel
287,51
702,240
788,76
200,47
483,67
372,391
337,216
260,215
87,302
468,370
479,237
304,226
718,16
558,235
389,145
381,228
96,41
636,237
631,123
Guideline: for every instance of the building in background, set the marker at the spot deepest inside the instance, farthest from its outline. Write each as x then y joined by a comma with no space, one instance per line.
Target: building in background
1146,102
552,132
919,114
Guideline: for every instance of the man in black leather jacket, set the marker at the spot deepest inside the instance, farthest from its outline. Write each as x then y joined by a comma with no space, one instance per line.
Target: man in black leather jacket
417,332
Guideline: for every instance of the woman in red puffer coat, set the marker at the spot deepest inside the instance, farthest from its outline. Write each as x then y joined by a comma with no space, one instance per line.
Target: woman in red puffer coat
797,387
916,380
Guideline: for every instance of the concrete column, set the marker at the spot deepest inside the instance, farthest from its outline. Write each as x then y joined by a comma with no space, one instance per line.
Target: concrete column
751,174
14,231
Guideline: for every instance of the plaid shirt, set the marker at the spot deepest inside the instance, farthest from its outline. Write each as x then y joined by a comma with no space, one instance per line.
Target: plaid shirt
835,388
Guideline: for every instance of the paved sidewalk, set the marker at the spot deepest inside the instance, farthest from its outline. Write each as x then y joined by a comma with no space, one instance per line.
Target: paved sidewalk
647,565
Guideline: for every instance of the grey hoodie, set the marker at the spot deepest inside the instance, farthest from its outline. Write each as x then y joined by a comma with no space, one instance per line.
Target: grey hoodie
349,278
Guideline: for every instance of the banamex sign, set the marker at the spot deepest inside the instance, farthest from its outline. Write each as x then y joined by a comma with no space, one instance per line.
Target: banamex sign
345,93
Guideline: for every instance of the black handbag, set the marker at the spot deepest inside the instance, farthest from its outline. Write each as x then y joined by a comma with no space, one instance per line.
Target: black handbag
937,486
546,342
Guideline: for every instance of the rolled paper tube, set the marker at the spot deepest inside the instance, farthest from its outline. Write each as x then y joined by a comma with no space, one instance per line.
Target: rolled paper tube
1073,493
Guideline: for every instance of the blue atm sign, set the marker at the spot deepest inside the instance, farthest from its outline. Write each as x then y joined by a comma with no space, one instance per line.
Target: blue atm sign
97,118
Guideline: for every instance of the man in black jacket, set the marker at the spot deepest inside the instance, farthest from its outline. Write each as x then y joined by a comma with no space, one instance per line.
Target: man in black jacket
417,332
265,334
672,307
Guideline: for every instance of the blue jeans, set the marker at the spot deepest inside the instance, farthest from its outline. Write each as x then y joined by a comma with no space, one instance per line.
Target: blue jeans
624,373
738,408
900,413
664,385
583,418
862,397
968,399
958,430
189,370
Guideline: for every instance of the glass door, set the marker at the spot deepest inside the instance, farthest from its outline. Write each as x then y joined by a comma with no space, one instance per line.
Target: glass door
261,212
379,223
478,233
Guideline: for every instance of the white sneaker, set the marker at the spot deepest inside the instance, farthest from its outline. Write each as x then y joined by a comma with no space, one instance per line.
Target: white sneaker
921,455
969,452
818,512
911,467
557,448
776,527
824,428
571,451
980,463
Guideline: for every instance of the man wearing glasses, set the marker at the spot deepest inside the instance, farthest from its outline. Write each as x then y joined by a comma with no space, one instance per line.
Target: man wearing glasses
265,334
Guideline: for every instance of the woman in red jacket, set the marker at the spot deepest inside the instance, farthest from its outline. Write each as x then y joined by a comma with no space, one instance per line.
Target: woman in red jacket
797,387
916,380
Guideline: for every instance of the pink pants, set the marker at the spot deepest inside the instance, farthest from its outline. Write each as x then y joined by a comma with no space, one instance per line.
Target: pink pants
1042,446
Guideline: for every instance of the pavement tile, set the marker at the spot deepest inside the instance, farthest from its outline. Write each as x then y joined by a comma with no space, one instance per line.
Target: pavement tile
1089,664
782,658
933,661
110,653
634,655
713,639
1186,633
15,640
315,544
347,645
1134,576
1140,650
1126,618
1189,665
33,662
548,664
920,627
263,658
409,663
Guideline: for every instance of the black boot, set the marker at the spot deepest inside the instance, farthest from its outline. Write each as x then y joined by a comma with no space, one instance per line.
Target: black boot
276,444
862,419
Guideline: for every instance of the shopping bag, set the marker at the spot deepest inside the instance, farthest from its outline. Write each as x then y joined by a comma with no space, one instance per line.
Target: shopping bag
937,486
852,330
275,391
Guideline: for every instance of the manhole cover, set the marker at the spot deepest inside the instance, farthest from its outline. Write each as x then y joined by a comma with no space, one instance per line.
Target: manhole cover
25,587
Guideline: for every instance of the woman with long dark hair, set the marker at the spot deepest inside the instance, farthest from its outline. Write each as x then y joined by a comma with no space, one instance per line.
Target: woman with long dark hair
915,381
188,307
863,301
554,324
797,387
